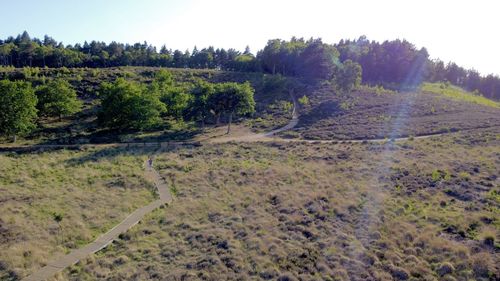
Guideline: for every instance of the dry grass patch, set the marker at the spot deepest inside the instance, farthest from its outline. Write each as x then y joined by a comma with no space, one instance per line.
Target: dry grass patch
55,201
315,212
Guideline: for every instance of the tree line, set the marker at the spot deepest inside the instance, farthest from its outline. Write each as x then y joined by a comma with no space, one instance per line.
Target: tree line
397,64
401,64
124,104
24,51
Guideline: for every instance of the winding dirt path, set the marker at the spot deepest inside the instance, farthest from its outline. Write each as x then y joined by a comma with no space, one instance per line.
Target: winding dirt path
60,263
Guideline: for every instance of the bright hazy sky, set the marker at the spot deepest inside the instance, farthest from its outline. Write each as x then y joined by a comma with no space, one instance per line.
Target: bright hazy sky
466,32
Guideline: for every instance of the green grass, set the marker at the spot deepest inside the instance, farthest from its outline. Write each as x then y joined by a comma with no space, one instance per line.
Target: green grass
457,94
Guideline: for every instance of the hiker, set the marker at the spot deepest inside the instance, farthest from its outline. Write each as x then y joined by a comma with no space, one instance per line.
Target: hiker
150,161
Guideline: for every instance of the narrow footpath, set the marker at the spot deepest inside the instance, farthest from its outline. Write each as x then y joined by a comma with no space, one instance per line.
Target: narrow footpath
60,263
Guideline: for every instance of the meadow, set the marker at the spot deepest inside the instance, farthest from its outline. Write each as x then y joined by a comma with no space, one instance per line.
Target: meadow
423,209
56,201
418,209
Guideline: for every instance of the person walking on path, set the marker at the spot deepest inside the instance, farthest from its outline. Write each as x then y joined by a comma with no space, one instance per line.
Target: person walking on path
150,161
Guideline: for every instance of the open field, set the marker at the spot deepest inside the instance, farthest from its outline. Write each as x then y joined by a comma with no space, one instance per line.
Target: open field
91,190
416,210
421,209
377,113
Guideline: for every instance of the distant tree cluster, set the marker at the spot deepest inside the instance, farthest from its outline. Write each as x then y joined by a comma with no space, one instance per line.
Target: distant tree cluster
399,63
125,105
24,51
132,105
311,59
468,79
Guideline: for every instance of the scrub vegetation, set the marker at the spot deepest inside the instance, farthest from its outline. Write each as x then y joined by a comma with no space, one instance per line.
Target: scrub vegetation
56,201
416,210
247,206
378,113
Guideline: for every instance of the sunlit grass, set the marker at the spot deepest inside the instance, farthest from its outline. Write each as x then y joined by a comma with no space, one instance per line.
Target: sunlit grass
457,94
273,209
91,189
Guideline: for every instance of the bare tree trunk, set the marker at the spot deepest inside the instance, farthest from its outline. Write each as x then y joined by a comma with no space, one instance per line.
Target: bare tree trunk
229,123
217,119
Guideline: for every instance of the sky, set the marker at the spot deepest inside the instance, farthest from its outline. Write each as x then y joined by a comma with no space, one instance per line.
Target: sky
465,32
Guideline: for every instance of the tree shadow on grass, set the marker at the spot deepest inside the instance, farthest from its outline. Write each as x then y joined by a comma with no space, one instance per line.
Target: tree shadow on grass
181,135
126,150
86,154
107,136
324,110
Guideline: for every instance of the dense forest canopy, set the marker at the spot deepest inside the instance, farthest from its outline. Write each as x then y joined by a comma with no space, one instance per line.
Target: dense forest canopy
396,64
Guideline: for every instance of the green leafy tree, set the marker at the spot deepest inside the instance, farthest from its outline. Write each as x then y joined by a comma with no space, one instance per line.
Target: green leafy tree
57,98
348,76
129,105
164,77
232,98
215,104
199,107
42,52
6,51
175,98
319,60
18,111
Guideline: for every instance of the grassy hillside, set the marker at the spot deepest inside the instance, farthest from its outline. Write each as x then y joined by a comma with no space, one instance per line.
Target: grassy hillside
418,210
372,112
92,190
457,93
423,209
368,112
